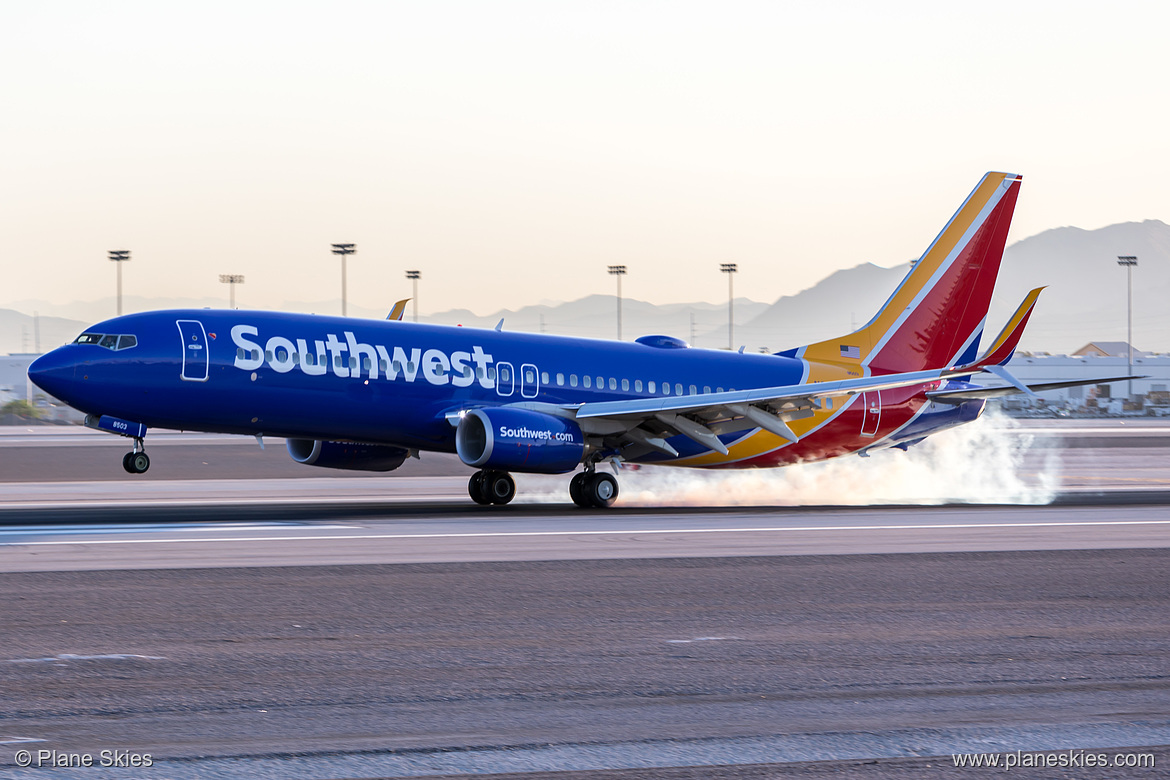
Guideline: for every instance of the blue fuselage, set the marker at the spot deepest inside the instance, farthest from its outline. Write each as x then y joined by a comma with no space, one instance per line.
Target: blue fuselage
386,382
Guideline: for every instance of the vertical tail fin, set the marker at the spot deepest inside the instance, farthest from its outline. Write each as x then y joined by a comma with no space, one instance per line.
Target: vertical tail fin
935,317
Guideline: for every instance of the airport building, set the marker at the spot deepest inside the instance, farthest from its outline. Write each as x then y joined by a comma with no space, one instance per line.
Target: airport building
14,384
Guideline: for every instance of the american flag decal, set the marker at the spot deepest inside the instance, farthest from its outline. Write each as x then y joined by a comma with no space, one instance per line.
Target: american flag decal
850,352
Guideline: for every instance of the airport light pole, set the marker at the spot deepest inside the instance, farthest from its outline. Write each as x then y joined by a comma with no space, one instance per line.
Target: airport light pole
414,277
730,269
619,271
231,280
120,256
1129,261
345,250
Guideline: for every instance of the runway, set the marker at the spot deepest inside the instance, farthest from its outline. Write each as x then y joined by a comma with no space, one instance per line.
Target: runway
447,534
317,626
446,669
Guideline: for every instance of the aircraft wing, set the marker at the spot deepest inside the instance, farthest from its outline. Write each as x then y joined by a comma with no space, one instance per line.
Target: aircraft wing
650,421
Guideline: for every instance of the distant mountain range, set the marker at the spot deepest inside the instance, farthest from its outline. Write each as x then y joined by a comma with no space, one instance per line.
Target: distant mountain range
1085,301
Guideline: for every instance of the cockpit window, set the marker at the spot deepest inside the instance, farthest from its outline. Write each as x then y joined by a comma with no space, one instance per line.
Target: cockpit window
108,340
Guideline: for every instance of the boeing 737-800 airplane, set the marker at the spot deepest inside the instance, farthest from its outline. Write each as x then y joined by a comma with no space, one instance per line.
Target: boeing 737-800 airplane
367,394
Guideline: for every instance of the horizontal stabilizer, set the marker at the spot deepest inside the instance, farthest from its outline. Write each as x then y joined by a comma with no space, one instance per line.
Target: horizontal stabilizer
1004,346
982,393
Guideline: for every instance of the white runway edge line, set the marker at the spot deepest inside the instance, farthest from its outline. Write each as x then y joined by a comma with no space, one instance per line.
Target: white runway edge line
618,532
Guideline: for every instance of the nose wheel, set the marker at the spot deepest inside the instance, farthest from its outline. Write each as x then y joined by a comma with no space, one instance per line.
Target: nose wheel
136,461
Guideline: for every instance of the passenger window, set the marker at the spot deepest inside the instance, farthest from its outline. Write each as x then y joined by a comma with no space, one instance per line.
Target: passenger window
637,385
600,382
588,381
479,372
612,383
268,355
337,361
109,342
678,388
625,384
529,376
665,388
572,380
706,389
125,342
718,389
651,387
365,364
694,390
256,355
544,377
410,366
505,375
491,373
560,380
239,353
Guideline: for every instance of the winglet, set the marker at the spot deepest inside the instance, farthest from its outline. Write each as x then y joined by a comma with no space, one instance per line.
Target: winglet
1004,346
398,310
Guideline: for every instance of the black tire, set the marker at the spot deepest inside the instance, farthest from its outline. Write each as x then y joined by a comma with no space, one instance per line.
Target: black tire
499,487
577,490
139,462
601,490
475,489
126,462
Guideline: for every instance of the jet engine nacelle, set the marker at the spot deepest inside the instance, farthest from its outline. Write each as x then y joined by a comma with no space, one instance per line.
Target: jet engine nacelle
346,455
519,440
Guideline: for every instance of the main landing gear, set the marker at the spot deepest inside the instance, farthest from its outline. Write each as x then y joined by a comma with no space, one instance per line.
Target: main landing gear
136,461
491,487
593,489
589,490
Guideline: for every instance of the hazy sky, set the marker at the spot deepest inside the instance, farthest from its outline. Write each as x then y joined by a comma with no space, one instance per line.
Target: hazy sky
511,150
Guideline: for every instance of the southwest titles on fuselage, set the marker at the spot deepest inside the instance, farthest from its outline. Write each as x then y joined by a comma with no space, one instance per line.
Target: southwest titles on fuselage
437,367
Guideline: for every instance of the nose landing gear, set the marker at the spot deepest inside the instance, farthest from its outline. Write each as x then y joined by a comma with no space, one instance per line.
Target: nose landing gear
136,461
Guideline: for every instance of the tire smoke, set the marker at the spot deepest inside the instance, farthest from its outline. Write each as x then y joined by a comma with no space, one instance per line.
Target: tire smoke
988,461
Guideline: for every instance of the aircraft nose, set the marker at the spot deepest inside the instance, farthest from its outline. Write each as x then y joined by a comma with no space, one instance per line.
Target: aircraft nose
54,372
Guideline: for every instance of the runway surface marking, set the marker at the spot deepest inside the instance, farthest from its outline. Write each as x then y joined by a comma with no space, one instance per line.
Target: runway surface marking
606,532
40,530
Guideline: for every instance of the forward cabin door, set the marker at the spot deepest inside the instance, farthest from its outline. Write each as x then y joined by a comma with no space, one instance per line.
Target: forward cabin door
196,360
872,417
